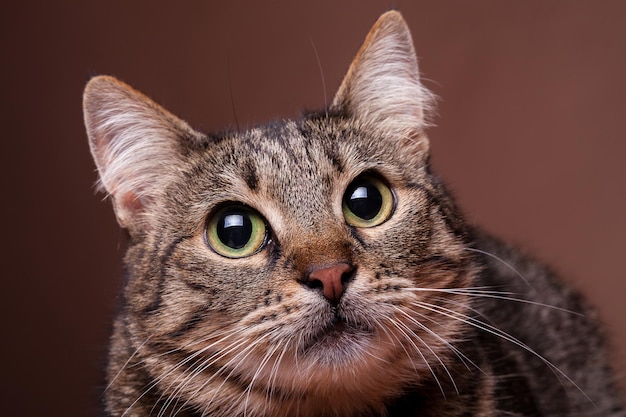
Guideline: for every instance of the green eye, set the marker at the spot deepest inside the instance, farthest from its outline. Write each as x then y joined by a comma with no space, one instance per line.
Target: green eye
367,202
236,231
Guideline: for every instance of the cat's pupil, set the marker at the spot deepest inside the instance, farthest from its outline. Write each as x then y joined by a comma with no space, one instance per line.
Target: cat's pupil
365,201
234,229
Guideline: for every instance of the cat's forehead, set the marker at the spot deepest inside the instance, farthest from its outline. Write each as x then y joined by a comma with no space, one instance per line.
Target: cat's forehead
282,161
293,155
296,167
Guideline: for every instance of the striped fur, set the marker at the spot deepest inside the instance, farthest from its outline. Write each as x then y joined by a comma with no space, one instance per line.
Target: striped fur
436,319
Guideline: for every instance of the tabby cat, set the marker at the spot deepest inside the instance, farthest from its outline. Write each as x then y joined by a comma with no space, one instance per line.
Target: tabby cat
317,267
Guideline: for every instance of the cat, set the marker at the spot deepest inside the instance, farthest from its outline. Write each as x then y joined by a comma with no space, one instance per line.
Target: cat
318,267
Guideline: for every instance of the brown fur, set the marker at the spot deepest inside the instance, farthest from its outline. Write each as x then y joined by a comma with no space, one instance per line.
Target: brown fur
421,327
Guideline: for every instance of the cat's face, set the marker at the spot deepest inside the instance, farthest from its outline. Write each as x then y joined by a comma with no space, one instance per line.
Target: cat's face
290,264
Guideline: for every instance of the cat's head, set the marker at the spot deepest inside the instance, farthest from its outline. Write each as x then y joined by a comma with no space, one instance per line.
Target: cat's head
290,265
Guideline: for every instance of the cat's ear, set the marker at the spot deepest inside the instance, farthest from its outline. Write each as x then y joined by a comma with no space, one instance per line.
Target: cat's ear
382,86
135,144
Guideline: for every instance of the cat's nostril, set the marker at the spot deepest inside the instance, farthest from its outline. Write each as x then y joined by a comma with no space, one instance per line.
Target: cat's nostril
315,283
347,276
332,280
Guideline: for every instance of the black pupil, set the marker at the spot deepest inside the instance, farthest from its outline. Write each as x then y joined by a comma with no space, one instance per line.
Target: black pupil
364,200
234,229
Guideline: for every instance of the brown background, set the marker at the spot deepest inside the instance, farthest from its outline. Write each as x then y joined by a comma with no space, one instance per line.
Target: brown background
531,137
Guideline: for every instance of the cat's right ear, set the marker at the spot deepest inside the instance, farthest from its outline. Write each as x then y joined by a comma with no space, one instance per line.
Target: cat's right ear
135,144
382,87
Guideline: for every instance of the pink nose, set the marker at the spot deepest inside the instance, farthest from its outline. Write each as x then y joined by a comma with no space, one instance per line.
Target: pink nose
332,279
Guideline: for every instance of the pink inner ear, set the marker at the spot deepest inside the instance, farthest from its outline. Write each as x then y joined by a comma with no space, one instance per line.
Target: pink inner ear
130,202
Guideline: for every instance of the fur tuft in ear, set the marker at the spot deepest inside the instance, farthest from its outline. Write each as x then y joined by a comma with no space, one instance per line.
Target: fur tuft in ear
382,86
135,144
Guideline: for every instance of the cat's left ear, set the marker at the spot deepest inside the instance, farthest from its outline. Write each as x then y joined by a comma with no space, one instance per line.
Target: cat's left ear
382,86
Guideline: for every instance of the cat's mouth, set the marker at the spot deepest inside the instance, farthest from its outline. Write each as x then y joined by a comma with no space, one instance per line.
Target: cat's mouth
337,328
338,334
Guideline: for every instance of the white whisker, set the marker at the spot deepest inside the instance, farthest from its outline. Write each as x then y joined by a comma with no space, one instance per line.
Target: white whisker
499,333
418,350
264,361
126,364
453,348
212,360
503,262
491,294
238,358
198,365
